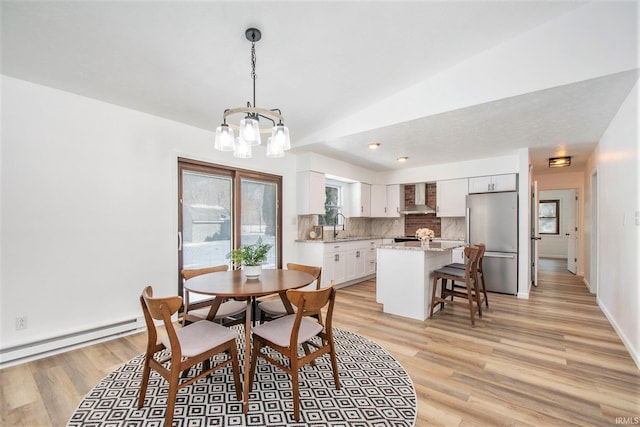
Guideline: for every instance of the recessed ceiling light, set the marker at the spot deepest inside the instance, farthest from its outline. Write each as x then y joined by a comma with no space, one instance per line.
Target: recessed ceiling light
374,145
403,159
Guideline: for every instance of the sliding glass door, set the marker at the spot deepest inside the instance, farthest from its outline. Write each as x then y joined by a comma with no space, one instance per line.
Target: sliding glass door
220,209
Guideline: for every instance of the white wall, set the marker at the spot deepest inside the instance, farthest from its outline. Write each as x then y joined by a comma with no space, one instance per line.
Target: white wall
618,205
89,208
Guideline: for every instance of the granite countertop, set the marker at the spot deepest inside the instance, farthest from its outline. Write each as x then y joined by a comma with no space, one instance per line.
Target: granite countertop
417,246
343,239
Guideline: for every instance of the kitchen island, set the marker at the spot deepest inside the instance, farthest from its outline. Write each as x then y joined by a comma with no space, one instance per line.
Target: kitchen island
404,276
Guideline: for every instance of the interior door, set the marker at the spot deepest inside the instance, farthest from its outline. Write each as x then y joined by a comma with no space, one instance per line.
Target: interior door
535,234
572,232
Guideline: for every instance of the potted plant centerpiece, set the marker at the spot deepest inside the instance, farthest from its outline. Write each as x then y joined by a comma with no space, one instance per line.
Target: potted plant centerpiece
250,258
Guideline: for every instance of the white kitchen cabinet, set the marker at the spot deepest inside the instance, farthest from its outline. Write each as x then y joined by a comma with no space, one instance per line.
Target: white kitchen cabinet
360,200
492,183
457,255
378,201
450,197
385,201
334,266
345,263
310,193
356,261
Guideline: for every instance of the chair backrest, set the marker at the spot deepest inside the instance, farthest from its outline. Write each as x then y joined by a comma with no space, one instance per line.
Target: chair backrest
481,248
311,302
188,274
472,265
160,309
316,272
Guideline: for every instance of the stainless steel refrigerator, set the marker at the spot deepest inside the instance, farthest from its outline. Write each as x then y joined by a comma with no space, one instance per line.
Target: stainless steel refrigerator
492,219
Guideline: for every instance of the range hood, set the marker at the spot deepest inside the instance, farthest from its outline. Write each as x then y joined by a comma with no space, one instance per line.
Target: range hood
420,206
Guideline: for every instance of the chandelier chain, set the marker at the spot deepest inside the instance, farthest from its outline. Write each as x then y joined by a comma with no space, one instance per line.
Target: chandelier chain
253,70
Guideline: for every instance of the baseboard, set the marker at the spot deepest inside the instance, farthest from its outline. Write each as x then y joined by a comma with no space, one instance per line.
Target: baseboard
632,351
46,347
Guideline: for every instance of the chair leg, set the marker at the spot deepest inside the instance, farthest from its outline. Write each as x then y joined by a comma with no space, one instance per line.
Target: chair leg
257,345
470,298
171,397
233,352
295,386
484,290
145,381
334,363
433,295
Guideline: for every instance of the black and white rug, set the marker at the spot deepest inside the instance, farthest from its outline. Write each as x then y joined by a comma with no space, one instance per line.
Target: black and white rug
375,391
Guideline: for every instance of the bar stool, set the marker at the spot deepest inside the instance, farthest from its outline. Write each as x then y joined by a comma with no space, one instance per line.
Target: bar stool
468,276
483,287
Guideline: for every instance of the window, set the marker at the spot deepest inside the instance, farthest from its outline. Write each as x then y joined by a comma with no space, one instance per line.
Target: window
332,205
549,216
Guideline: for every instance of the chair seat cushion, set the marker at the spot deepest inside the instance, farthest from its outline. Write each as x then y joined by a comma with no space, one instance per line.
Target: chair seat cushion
226,309
451,272
199,337
456,265
274,307
278,331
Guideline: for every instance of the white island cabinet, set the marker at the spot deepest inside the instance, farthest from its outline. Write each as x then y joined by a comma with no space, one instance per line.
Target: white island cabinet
404,276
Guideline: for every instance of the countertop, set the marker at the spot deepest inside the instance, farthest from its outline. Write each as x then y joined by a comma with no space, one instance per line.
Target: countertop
342,239
417,246
456,243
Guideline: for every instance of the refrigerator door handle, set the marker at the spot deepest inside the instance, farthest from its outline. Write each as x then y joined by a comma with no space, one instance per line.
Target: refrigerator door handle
498,255
466,225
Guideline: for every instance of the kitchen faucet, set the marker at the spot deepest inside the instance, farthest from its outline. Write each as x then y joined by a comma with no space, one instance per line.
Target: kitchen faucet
335,222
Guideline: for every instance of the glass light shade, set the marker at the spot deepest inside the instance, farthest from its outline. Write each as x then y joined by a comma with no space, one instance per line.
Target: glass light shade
274,149
280,136
224,138
242,149
250,131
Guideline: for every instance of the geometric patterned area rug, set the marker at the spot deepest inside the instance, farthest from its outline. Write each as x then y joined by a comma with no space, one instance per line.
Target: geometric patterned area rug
375,391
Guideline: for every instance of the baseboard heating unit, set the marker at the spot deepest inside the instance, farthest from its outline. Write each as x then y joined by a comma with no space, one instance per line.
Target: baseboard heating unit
34,350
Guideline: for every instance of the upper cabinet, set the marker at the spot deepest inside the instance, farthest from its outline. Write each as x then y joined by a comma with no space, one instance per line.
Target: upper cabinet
450,197
493,183
310,193
360,200
385,201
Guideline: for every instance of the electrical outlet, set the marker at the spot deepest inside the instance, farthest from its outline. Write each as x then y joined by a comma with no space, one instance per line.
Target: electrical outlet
21,323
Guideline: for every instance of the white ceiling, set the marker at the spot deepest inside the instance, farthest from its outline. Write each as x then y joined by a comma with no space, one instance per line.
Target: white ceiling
317,62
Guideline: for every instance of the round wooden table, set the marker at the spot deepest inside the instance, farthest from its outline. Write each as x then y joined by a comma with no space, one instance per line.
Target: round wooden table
235,284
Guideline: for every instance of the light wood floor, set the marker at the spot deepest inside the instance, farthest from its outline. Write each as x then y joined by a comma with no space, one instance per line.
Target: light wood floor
550,360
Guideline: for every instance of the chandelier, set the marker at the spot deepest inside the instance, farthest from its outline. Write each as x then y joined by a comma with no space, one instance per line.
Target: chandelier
249,127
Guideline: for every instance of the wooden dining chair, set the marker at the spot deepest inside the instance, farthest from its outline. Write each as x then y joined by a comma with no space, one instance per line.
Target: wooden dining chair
188,346
469,292
230,312
274,308
287,334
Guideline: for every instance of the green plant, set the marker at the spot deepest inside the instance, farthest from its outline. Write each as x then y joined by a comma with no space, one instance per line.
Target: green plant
255,254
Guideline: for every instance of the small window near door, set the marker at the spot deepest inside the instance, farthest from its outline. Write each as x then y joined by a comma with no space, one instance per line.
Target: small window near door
549,216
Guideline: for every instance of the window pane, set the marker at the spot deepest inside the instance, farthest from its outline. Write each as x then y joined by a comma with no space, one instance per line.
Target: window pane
259,216
548,226
206,219
547,210
332,206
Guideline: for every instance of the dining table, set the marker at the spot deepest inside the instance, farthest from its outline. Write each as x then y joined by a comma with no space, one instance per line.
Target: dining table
234,284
